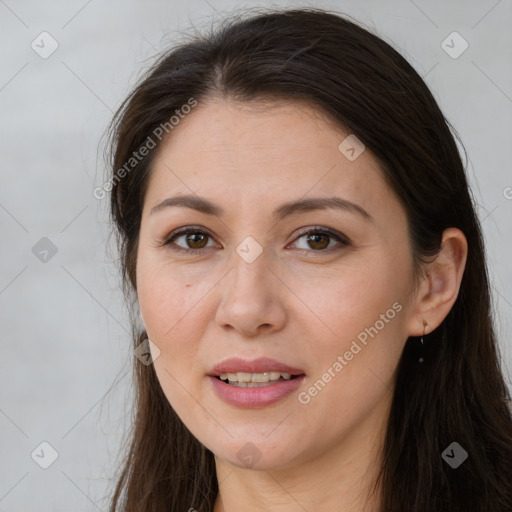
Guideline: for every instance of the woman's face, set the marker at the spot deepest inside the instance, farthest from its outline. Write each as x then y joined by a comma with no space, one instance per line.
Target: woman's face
248,292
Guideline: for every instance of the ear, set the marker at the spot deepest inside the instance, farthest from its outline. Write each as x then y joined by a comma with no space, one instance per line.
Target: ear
440,288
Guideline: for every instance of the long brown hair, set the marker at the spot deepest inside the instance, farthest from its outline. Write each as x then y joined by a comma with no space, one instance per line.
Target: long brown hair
458,393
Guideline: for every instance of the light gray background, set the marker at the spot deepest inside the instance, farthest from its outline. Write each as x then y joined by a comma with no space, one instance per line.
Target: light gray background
65,361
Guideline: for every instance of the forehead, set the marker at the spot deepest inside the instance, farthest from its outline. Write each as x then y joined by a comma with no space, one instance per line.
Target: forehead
261,152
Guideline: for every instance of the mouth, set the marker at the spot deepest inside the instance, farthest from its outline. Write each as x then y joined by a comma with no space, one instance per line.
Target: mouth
255,380
257,383
264,371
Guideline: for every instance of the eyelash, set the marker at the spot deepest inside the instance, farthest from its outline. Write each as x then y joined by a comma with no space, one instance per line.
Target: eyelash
343,240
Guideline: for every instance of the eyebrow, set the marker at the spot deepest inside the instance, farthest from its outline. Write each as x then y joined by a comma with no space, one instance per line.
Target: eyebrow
285,210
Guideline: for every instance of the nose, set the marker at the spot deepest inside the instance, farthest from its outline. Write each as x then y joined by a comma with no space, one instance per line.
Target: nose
252,298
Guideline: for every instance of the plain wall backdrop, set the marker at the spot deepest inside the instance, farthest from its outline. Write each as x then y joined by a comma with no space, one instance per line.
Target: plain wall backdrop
66,351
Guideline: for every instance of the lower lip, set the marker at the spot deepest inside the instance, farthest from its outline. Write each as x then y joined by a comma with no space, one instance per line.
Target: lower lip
252,398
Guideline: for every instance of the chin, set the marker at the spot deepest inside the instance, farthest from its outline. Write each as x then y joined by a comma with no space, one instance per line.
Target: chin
257,453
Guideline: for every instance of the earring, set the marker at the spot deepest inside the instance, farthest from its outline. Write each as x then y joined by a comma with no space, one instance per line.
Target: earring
424,326
421,358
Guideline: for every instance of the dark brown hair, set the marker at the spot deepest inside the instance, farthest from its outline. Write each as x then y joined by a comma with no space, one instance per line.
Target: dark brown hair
458,393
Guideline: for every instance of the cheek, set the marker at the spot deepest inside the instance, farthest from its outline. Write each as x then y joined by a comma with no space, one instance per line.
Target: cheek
345,301
174,319
177,310
169,295
172,313
357,314
353,370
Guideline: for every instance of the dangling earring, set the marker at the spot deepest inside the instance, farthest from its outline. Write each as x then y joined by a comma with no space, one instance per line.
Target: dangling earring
424,326
421,358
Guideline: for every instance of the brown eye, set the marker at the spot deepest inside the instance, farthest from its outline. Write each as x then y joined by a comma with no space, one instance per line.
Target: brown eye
194,241
319,240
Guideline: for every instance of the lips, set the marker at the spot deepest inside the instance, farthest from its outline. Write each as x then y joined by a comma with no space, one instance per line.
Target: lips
260,365
264,394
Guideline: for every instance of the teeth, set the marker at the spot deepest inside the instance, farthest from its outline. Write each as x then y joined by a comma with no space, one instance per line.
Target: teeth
254,379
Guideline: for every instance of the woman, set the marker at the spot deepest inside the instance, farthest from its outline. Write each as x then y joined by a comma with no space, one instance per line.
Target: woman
296,228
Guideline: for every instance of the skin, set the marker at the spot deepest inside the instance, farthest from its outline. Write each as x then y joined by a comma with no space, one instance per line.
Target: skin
294,303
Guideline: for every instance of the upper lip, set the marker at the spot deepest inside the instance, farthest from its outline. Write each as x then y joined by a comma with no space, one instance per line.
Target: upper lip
260,365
